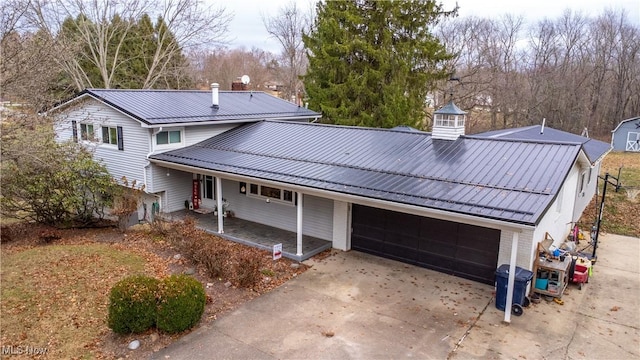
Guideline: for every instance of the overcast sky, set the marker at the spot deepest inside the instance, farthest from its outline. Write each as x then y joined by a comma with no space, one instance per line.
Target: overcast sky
247,29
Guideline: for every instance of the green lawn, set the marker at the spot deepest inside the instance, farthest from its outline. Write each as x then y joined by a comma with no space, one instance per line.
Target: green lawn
621,214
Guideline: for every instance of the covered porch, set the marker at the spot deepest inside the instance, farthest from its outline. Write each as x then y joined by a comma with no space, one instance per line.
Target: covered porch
257,235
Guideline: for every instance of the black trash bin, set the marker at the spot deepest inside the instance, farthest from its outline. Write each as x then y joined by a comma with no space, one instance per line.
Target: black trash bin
522,278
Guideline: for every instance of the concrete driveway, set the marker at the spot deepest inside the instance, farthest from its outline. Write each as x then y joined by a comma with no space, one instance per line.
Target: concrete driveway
353,305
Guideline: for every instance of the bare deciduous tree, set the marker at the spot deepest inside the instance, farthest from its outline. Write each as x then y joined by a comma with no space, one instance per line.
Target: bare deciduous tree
287,27
224,66
100,28
576,72
26,58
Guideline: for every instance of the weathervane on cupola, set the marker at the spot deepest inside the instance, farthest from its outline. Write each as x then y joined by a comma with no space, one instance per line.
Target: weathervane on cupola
449,120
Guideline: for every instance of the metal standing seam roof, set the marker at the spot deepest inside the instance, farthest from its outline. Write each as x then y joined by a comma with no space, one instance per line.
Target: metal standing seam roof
508,180
594,149
160,107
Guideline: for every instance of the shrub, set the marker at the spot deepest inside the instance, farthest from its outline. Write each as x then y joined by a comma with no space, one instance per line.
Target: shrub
180,304
215,261
248,271
132,304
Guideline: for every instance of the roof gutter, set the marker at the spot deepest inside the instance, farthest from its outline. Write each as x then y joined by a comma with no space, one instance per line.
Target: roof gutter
406,208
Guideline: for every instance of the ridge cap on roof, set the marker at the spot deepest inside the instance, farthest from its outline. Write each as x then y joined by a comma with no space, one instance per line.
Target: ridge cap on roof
181,90
353,127
530,141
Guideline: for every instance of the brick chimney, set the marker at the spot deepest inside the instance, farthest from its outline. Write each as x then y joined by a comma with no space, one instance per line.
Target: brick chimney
237,85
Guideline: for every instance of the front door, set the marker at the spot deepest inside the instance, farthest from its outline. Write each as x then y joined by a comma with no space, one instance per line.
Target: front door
208,191
633,141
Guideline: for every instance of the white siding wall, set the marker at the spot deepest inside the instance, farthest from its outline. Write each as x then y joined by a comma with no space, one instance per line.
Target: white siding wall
556,221
447,133
196,134
341,225
526,245
317,213
591,183
128,162
175,188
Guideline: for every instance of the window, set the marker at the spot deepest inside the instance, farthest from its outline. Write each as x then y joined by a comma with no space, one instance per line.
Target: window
582,182
559,200
208,191
74,130
268,192
109,135
86,132
113,136
590,175
169,137
449,120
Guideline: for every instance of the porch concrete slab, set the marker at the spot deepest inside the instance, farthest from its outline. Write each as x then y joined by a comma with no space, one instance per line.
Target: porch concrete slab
257,235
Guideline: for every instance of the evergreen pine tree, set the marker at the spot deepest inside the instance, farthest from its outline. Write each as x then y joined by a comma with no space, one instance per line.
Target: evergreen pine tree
372,63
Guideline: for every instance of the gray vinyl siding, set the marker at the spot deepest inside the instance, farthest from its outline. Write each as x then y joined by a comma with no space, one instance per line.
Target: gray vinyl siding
317,212
195,134
591,183
128,162
175,188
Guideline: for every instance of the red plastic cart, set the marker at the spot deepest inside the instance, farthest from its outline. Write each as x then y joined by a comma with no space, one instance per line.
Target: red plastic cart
580,275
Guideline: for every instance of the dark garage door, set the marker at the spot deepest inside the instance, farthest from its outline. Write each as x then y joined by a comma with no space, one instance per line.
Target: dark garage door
454,248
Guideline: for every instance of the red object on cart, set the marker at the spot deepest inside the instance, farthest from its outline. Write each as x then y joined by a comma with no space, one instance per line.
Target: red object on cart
580,275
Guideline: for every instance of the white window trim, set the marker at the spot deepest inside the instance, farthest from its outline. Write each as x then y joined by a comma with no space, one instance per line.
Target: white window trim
203,180
449,120
169,146
88,139
109,144
559,200
582,183
271,199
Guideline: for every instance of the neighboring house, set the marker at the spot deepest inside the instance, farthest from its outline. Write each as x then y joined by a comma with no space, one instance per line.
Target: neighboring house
626,136
441,200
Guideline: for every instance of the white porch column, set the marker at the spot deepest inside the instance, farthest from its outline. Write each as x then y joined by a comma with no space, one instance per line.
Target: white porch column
299,225
219,205
512,277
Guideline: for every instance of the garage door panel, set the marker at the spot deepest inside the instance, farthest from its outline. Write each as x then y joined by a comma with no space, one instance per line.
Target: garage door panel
437,247
368,232
440,263
400,252
454,248
402,223
475,256
369,216
479,237
437,229
474,271
369,245
402,240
